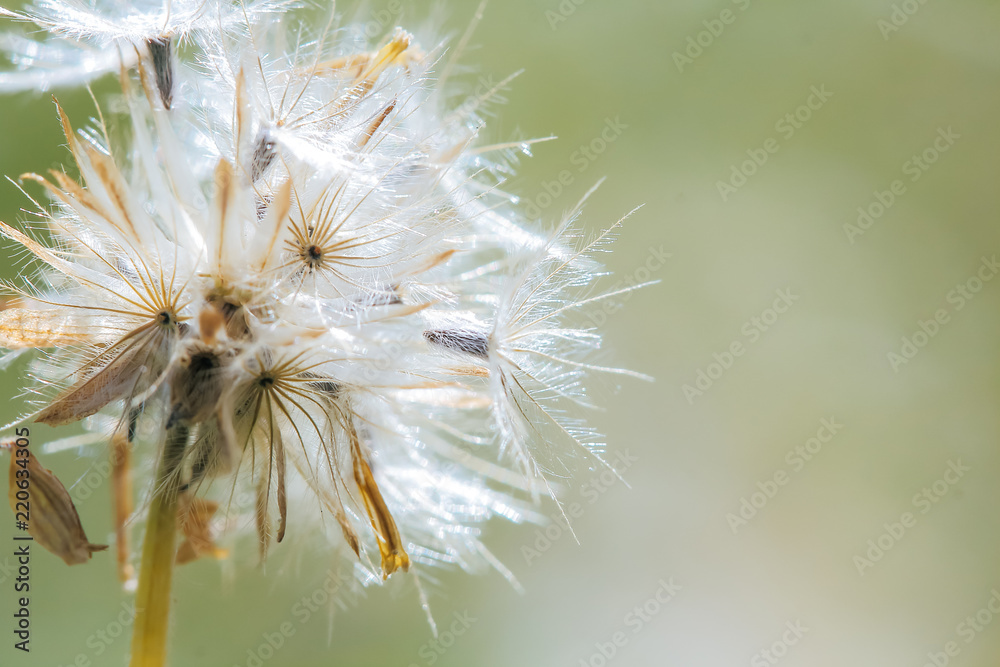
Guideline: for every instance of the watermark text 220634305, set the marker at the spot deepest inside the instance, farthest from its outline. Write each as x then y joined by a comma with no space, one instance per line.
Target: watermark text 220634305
21,481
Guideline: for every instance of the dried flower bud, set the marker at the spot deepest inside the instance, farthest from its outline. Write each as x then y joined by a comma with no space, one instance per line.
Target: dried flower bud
52,517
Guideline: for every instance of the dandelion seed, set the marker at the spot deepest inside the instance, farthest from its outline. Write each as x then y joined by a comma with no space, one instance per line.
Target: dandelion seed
469,341
160,51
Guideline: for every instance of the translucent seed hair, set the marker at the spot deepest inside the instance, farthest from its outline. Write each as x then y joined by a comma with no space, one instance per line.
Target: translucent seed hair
285,290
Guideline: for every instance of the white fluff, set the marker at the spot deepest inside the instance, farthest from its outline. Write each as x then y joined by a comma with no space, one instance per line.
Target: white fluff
376,286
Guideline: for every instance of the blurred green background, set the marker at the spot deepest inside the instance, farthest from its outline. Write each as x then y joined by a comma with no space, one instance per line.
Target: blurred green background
785,577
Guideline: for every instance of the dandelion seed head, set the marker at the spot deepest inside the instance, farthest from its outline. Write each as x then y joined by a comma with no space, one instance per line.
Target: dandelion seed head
299,276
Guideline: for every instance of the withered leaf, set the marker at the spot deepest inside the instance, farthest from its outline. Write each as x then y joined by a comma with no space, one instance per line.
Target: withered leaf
194,516
52,517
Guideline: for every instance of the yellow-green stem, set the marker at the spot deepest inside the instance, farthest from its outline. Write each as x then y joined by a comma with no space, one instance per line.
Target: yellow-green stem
152,600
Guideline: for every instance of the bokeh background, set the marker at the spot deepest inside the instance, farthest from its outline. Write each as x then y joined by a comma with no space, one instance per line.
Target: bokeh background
785,578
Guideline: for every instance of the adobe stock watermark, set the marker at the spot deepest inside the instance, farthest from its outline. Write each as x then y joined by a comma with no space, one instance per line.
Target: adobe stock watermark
336,588
922,501
697,44
900,15
635,621
956,298
562,12
751,330
778,649
91,481
102,639
970,628
432,650
591,491
584,156
796,458
786,127
383,18
914,168
656,259
7,569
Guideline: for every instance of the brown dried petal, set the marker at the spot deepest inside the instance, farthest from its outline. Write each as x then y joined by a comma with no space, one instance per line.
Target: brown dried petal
140,353
194,517
52,517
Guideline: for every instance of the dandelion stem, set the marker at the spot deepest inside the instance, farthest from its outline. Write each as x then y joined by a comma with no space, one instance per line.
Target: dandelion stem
152,604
